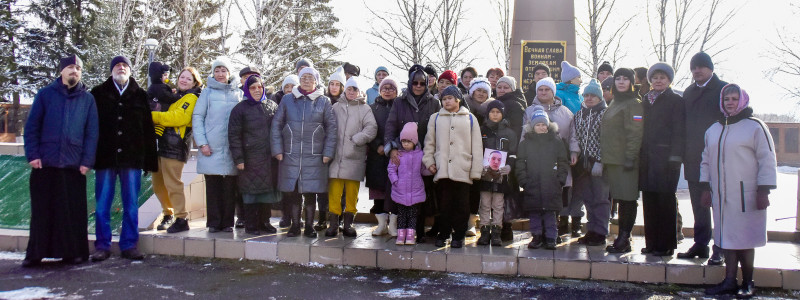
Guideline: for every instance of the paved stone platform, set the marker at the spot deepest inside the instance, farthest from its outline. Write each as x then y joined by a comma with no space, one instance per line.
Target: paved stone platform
777,264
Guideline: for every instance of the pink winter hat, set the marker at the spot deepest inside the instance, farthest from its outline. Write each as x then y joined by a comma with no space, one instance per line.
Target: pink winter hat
409,132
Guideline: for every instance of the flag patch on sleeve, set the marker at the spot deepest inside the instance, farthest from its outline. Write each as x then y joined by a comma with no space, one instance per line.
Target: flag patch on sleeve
637,118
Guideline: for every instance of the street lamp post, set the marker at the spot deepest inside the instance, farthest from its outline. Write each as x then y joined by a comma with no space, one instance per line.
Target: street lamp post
150,45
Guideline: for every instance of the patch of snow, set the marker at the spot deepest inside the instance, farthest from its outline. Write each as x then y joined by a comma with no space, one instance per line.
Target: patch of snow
399,293
315,265
787,170
360,278
136,262
165,287
29,293
4,255
385,279
27,276
189,293
207,265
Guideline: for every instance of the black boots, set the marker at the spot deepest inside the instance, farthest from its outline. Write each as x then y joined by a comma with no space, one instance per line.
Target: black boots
576,227
536,242
622,244
166,221
485,235
348,230
592,239
294,229
323,222
309,229
726,287
563,225
179,225
507,233
333,230
496,241
697,250
747,290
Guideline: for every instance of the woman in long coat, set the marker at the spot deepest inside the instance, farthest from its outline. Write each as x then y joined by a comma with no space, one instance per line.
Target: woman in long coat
248,133
304,141
377,159
210,121
661,155
620,141
738,191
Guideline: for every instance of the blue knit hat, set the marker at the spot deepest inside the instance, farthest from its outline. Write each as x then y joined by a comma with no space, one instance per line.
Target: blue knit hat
496,104
539,116
119,59
568,72
593,88
452,91
381,68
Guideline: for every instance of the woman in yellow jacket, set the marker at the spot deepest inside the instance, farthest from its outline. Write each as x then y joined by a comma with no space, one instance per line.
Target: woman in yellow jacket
174,129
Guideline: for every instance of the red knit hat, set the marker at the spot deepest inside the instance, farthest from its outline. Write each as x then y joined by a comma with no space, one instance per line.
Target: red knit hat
449,75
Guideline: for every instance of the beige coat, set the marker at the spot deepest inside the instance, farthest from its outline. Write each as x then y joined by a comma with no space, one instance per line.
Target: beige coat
454,144
356,127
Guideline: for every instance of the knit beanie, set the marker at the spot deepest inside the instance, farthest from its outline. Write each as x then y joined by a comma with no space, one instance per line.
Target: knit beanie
541,67
510,81
608,83
249,70
381,68
156,70
303,62
450,76
480,83
291,79
496,104
409,132
605,66
389,81
593,88
353,81
663,67
69,60
119,59
701,59
312,71
219,62
539,116
351,69
338,76
430,70
548,82
568,72
452,91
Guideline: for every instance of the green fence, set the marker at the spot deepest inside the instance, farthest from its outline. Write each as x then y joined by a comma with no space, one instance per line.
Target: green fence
15,208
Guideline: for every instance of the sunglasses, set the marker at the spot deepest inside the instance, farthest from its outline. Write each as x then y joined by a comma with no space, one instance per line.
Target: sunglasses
418,83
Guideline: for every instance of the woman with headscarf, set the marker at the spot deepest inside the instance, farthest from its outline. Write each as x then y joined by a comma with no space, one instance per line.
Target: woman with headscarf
210,121
738,191
303,136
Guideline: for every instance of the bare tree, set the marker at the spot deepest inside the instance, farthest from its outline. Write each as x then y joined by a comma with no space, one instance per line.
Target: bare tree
136,17
452,46
502,49
786,55
408,37
601,44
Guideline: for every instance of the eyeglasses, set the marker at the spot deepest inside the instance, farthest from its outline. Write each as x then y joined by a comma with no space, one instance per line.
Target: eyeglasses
418,83
388,89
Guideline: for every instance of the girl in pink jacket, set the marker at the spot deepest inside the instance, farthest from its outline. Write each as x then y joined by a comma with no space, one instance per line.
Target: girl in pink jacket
408,189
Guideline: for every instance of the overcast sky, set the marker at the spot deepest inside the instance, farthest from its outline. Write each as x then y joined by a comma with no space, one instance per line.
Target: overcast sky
752,29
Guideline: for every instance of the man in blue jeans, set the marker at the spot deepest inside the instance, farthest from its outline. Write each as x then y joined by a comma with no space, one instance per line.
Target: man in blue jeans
126,147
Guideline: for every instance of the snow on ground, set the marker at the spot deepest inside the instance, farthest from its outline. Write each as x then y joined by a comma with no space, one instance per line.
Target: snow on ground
29,293
787,170
399,293
4,255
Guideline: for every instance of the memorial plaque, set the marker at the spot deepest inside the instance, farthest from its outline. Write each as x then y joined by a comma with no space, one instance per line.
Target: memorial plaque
549,53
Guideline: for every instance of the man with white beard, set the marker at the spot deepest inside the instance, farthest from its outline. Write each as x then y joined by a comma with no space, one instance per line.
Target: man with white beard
126,147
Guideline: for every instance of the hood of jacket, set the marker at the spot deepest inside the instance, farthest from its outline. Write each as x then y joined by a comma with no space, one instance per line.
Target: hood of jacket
314,95
361,99
568,87
552,130
233,83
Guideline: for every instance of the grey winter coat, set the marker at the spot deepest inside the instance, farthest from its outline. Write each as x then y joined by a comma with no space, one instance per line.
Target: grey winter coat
210,125
304,131
356,127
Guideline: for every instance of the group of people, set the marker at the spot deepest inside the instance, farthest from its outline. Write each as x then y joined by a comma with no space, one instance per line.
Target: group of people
550,151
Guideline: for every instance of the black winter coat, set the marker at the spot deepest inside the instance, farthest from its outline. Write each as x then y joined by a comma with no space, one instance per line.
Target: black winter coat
514,103
249,138
170,143
277,97
541,169
127,137
702,110
160,96
406,109
498,136
662,143
377,174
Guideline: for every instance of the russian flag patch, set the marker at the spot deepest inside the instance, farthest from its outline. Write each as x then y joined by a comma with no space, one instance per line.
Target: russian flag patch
637,118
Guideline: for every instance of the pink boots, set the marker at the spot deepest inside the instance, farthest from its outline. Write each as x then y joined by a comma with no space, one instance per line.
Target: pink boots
405,237
401,237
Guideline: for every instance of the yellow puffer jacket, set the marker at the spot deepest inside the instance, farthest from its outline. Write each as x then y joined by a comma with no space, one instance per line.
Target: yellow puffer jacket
179,116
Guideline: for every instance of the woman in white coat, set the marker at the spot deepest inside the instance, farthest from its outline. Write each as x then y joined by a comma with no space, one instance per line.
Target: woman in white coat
738,191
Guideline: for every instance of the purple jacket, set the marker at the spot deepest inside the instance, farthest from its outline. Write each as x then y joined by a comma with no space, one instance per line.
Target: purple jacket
407,186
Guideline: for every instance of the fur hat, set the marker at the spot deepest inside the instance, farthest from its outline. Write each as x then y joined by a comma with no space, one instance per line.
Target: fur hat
409,132
220,62
353,81
303,62
291,79
450,76
605,66
452,91
351,69
701,59
496,104
390,81
338,76
541,67
593,88
310,70
69,60
548,82
249,70
568,72
510,81
539,116
119,59
663,67
480,83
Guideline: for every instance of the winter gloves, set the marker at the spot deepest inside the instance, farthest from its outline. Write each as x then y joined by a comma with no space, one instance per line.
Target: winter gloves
597,169
705,199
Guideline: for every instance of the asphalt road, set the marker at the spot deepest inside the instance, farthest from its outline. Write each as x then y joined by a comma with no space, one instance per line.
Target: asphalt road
162,277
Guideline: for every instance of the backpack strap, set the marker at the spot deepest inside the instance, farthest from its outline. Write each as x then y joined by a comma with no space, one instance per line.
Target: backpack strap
435,123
